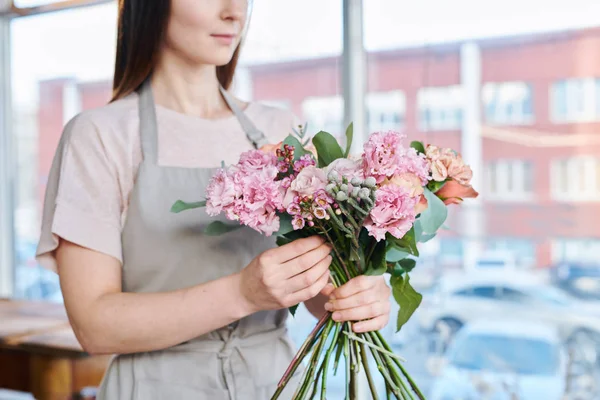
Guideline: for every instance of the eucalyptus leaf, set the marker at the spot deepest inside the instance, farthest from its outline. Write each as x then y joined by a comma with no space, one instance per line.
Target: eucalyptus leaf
407,298
328,149
180,206
299,150
282,240
407,242
418,228
427,237
435,215
349,138
285,224
217,228
395,254
418,146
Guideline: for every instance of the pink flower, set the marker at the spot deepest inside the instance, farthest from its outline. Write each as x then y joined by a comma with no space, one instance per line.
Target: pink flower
454,193
256,160
322,198
310,180
382,154
293,209
394,212
446,163
298,222
385,156
347,168
220,193
320,212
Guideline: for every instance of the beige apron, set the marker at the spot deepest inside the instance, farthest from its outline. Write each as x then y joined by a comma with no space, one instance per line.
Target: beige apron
163,251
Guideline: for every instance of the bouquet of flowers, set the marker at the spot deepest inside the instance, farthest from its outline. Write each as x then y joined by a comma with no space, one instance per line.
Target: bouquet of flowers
372,209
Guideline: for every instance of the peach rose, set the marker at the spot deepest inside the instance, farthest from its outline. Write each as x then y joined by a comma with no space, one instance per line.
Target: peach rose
454,193
408,181
271,148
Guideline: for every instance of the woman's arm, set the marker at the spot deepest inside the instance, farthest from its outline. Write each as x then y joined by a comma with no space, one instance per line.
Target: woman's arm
106,320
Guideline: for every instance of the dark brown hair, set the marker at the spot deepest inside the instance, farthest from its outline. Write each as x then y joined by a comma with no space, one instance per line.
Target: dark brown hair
142,26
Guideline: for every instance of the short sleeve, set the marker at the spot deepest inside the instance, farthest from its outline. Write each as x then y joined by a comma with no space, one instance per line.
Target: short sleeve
82,201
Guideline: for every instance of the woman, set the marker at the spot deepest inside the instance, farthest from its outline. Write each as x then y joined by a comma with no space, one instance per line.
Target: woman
190,316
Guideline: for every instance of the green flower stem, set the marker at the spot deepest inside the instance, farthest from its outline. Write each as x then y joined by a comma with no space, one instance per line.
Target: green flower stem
379,348
339,257
350,217
338,328
314,360
383,370
389,361
304,349
412,383
337,221
348,361
357,207
365,361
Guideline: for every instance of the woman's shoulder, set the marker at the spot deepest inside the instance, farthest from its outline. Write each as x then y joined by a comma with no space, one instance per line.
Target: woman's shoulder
115,123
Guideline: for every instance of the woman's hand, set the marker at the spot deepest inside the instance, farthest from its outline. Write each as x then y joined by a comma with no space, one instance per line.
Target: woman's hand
365,299
287,275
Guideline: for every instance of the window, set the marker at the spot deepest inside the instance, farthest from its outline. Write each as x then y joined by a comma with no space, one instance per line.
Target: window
508,103
576,100
575,179
324,113
488,292
440,108
386,110
509,180
509,294
576,250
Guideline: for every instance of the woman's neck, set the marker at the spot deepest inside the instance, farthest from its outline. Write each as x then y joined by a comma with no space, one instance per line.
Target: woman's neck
188,88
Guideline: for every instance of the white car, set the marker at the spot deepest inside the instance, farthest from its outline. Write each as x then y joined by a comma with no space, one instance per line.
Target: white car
520,296
502,360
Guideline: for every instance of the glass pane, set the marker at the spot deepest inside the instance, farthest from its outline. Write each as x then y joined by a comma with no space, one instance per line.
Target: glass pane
56,74
528,112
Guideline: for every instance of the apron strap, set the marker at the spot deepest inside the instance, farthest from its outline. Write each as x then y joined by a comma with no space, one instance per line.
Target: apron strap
256,137
148,124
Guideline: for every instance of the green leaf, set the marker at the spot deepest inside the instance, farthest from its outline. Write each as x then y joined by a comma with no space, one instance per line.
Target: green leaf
349,138
434,186
282,240
418,146
217,228
408,264
435,214
407,242
395,254
397,271
293,309
285,224
377,264
418,228
328,149
407,298
427,237
180,206
299,150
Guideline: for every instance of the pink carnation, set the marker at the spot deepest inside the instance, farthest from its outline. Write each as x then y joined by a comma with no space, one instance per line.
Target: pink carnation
256,160
385,156
220,193
394,212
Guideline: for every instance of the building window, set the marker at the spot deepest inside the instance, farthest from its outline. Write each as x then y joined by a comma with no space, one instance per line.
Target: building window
520,251
324,114
440,108
579,250
509,180
576,100
576,179
508,103
386,110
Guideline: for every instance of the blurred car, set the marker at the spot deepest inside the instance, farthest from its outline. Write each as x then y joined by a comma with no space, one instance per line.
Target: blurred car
579,280
502,360
521,296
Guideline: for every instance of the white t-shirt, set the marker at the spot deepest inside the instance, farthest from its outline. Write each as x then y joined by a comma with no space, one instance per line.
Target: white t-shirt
97,159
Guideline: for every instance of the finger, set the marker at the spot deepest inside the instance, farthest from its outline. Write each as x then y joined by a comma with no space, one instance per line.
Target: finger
328,289
356,285
374,324
306,261
359,299
296,248
363,312
309,277
311,291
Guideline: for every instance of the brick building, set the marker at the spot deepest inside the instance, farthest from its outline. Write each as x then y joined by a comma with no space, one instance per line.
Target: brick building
540,99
